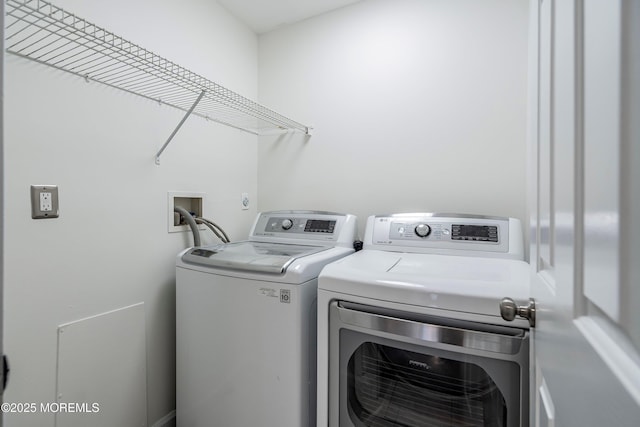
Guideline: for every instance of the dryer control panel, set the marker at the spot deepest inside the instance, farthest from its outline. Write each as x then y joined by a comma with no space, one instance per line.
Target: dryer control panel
458,234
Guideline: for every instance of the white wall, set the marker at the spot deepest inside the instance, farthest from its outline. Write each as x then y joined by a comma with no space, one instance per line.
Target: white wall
418,105
110,247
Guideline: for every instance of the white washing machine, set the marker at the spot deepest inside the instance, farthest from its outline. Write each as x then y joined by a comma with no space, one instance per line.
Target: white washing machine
246,321
410,331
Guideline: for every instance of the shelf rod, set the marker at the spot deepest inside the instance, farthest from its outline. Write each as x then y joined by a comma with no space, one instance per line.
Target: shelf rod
184,119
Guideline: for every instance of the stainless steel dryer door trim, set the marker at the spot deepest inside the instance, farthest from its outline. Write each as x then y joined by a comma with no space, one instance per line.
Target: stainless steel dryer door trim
503,343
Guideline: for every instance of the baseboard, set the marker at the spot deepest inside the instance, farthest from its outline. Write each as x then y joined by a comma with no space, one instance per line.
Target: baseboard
168,420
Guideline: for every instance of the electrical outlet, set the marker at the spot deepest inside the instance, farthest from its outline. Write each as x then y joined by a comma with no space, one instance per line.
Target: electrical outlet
244,199
44,201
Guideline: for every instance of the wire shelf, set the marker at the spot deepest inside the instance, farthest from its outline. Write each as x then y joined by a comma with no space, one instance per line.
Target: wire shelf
42,32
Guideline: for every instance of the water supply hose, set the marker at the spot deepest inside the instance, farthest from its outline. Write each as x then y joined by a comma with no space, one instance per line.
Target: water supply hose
192,223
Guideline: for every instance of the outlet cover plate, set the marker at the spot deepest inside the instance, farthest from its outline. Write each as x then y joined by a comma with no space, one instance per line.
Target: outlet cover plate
244,201
44,201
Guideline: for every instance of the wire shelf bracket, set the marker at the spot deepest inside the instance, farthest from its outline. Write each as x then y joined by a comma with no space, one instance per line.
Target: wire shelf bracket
42,32
184,119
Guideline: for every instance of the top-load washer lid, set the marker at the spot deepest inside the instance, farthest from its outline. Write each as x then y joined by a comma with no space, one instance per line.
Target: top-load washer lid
250,256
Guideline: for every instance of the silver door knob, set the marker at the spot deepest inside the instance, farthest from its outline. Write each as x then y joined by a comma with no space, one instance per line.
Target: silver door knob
509,310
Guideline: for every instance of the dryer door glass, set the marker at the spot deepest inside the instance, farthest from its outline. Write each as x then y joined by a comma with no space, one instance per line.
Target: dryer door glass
388,386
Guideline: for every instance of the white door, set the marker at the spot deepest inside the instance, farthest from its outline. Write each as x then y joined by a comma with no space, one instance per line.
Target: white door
1,194
584,141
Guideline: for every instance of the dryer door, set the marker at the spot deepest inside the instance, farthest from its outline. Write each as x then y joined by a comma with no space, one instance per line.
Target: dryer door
396,369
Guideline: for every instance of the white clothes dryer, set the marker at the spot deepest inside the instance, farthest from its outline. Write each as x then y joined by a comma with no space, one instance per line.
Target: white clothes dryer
409,328
246,321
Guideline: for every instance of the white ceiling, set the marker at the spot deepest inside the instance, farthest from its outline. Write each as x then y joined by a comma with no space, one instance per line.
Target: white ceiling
265,15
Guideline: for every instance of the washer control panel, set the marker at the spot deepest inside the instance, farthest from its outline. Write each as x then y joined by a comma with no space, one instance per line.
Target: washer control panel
442,233
278,224
289,226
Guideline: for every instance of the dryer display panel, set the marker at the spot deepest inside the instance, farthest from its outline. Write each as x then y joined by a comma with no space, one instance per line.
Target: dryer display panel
483,233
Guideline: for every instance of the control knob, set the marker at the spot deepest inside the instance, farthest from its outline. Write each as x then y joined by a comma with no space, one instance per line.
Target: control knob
286,224
422,230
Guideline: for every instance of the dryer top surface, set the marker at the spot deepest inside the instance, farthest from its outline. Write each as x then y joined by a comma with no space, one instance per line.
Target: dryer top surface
447,282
